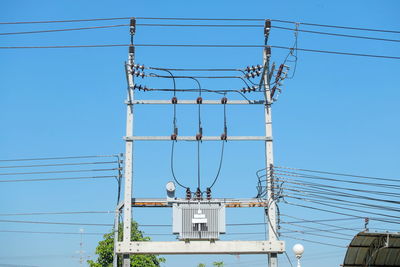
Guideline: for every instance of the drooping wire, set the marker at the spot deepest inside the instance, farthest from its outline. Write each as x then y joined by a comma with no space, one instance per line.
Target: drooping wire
172,166
293,52
200,133
222,150
175,131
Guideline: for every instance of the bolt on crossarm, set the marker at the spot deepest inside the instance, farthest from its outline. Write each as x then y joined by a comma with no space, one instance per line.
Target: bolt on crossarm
269,156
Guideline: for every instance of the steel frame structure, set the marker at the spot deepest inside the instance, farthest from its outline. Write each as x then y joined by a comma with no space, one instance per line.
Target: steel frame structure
271,247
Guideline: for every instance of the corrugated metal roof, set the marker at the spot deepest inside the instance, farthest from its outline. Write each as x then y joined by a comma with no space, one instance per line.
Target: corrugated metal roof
373,250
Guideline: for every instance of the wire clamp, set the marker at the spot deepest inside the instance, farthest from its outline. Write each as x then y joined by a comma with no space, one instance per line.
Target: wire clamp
199,100
174,100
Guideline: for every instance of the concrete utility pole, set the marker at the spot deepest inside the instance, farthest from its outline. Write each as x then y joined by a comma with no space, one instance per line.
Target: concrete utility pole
129,148
269,152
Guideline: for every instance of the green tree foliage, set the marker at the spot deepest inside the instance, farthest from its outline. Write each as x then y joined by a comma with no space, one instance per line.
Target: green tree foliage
105,251
218,263
201,265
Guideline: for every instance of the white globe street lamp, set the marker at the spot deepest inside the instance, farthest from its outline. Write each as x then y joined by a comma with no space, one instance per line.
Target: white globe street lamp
298,250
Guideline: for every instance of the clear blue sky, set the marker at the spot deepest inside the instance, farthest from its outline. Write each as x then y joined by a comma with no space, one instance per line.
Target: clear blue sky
339,113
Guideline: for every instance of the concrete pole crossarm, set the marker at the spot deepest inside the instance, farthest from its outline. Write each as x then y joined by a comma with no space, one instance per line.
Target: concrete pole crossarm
228,203
201,247
193,138
194,102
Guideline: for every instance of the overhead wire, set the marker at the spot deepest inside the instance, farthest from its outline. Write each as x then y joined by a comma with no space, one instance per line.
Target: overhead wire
203,46
63,171
56,213
64,30
340,174
57,164
313,241
200,19
57,179
58,158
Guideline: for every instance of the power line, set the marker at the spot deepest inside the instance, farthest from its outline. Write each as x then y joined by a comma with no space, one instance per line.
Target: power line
58,164
202,19
203,46
338,34
56,233
59,223
340,174
201,25
315,242
63,171
64,30
57,158
57,179
56,213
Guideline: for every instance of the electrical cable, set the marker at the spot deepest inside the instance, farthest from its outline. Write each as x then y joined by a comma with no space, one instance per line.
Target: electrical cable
57,158
325,186
323,189
63,171
320,223
339,34
315,242
58,164
294,174
64,30
315,221
56,233
343,208
222,152
172,166
202,46
323,195
60,223
200,19
56,213
320,235
55,179
380,219
340,174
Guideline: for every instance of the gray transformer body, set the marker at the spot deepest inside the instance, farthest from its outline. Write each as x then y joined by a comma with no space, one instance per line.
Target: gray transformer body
194,220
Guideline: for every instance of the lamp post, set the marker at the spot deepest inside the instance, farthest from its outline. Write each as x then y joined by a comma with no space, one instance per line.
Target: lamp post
298,250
